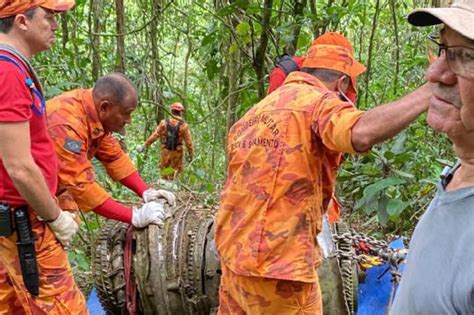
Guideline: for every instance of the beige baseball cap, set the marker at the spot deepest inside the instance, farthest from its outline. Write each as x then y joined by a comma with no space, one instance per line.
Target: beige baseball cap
459,16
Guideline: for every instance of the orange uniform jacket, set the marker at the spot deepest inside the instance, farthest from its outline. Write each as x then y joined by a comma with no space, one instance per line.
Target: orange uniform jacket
184,135
78,136
283,156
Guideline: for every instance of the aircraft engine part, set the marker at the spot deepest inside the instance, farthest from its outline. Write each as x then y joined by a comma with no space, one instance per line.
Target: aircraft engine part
178,271
175,267
107,266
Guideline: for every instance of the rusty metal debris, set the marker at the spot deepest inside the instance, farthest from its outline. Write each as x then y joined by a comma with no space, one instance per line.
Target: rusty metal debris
176,267
177,271
107,257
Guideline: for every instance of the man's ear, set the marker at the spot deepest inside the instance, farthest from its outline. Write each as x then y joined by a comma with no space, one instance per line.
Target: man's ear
21,21
104,106
343,83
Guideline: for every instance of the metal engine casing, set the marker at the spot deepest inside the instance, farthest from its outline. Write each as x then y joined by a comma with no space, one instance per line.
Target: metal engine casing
175,267
177,271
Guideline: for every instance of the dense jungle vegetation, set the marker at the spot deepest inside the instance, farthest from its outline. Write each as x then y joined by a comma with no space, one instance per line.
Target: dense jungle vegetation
214,57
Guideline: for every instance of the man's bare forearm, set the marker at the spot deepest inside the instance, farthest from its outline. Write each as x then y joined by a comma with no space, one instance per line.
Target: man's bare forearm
385,121
15,150
30,183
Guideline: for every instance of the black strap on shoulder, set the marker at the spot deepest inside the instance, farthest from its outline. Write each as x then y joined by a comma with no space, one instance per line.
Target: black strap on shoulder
286,63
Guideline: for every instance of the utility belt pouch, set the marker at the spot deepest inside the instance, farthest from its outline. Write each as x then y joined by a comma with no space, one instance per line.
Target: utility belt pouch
6,228
26,250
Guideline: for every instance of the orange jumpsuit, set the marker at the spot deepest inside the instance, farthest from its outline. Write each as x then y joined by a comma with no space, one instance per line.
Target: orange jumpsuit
78,137
59,293
172,158
282,160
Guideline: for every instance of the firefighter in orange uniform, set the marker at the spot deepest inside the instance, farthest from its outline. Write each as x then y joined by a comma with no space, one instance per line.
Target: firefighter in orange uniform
172,132
277,187
80,123
35,275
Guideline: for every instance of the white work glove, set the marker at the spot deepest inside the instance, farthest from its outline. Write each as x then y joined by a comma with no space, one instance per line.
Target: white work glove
64,227
154,194
141,148
150,213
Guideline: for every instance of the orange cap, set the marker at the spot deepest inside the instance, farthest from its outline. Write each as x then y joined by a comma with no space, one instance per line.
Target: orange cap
14,7
333,38
177,106
333,51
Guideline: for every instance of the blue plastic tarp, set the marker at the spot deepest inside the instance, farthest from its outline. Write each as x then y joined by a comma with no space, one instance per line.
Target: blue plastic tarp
374,294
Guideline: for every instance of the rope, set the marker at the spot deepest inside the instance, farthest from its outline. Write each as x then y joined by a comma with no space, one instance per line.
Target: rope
131,288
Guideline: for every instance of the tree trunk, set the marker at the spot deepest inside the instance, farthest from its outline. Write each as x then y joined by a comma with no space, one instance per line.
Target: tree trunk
95,26
156,73
393,7
233,72
120,23
187,57
298,8
65,30
371,46
259,59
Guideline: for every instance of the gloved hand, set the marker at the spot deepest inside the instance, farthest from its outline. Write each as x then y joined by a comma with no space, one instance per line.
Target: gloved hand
154,194
150,213
64,227
141,148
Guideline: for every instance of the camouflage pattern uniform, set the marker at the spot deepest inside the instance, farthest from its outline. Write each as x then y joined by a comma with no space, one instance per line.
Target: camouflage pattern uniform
283,155
58,292
79,136
172,158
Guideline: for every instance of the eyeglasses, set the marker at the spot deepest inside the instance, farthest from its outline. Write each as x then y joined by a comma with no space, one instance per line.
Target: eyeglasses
460,59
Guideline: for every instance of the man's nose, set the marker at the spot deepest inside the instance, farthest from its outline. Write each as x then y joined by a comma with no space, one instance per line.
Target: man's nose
439,71
54,25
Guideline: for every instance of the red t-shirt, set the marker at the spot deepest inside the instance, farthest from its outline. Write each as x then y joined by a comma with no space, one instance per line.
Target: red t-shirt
16,106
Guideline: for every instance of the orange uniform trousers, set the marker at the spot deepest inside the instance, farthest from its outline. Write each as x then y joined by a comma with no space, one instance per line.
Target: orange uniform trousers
256,296
58,293
171,158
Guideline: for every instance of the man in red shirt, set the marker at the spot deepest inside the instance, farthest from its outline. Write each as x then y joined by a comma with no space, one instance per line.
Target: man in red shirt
35,276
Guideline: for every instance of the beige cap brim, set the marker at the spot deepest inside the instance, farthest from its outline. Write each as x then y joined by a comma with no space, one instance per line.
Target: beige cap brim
458,18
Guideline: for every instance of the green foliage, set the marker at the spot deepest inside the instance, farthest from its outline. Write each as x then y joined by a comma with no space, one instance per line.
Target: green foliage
197,43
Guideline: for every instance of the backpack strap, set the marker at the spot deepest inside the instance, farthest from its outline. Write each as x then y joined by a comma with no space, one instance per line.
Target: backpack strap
286,63
29,83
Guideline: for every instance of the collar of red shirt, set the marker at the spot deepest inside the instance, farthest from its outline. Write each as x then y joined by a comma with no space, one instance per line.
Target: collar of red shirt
95,126
303,77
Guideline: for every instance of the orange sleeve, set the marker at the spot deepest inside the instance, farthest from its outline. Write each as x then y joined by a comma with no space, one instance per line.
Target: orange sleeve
333,120
117,163
76,172
158,133
188,139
